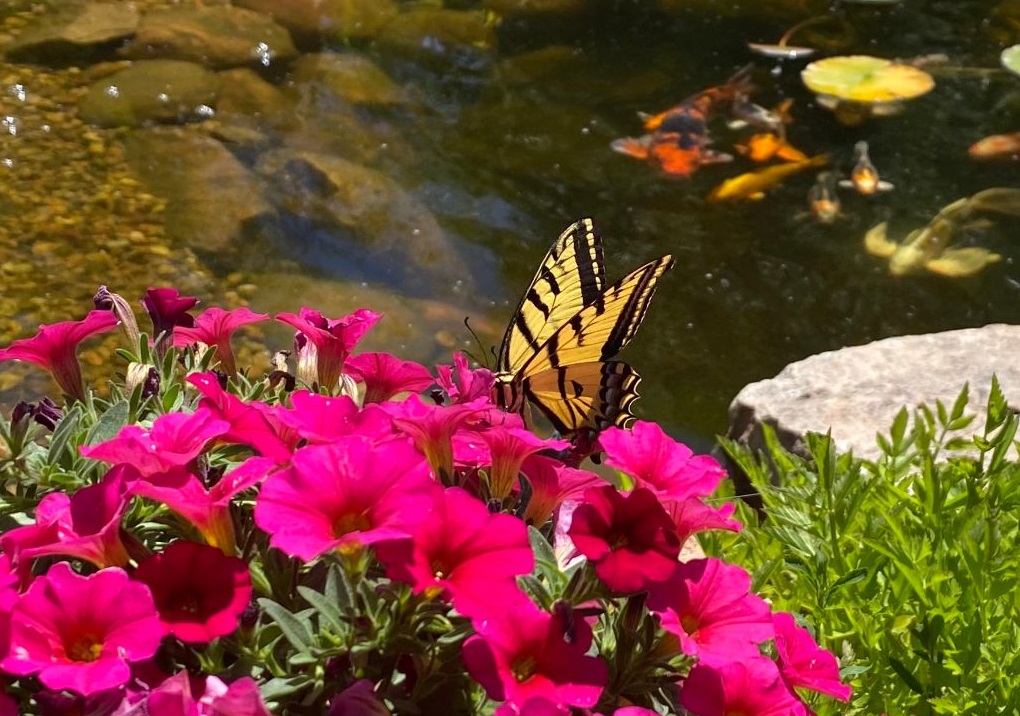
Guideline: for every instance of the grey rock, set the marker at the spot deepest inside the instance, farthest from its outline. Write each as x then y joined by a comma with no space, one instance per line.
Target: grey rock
218,36
151,91
57,33
857,391
349,76
335,19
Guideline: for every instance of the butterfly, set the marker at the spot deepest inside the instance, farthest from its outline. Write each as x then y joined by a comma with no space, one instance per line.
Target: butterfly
558,348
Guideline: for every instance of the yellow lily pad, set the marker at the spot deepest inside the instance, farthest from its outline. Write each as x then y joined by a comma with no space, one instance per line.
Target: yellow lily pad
1010,59
866,79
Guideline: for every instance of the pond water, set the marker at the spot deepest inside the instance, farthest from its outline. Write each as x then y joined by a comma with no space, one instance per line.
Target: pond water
489,145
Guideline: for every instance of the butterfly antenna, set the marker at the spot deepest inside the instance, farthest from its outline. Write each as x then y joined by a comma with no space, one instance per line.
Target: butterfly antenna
481,346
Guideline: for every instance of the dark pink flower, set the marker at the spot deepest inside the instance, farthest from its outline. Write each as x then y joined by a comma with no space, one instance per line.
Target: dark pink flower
552,482
199,592
508,448
345,495
462,384
463,551
54,348
321,418
80,633
168,308
358,699
207,509
432,428
8,706
656,461
803,663
519,654
692,516
629,538
182,695
85,525
214,327
709,605
385,375
749,686
326,344
248,425
174,440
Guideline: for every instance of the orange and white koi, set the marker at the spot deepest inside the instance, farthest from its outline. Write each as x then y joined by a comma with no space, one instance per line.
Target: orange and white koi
864,176
823,200
997,147
677,139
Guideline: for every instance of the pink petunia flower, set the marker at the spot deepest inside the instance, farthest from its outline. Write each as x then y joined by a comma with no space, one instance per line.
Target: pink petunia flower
432,428
54,349
629,538
462,384
692,516
803,663
207,509
167,308
214,327
85,525
656,461
248,425
463,551
174,440
358,699
8,706
709,605
750,686
322,418
519,653
364,493
200,593
183,695
385,375
323,345
80,633
508,448
552,483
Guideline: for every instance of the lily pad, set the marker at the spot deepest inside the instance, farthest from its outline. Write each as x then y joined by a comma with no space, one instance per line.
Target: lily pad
788,52
1010,59
866,79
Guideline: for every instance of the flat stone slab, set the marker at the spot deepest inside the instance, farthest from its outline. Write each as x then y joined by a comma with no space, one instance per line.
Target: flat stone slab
857,391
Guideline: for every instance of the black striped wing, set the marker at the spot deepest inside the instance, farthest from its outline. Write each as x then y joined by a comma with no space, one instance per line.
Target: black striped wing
589,395
571,277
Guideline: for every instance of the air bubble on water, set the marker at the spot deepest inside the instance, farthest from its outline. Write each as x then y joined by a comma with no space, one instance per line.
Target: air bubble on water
415,232
18,92
724,283
112,91
7,162
163,97
585,130
263,53
205,111
11,125
708,276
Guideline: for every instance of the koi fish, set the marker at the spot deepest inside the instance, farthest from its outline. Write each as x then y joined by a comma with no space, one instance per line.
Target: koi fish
765,145
864,176
677,139
748,114
823,200
753,185
996,147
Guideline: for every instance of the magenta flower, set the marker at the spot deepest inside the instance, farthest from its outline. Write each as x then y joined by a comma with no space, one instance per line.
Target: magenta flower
174,440
508,448
692,516
432,428
749,686
358,699
168,308
629,538
462,384
80,633
462,551
207,509
656,461
321,418
326,344
214,327
519,653
8,706
803,663
176,697
54,349
709,605
552,482
199,592
85,525
248,425
385,375
364,493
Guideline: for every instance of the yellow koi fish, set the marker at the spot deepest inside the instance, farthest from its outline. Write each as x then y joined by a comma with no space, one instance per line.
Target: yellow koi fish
753,185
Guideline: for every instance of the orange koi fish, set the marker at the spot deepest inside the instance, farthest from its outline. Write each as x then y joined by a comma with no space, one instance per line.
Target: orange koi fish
677,139
864,176
996,147
765,145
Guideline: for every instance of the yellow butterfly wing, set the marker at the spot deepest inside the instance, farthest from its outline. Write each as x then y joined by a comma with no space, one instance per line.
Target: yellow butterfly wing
588,395
571,276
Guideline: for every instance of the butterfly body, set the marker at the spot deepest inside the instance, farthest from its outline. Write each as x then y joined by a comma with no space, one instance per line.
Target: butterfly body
557,352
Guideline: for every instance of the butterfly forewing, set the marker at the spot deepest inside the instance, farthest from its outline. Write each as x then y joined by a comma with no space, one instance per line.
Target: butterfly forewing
571,277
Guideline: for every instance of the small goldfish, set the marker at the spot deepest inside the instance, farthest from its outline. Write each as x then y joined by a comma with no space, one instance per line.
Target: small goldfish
677,140
765,145
753,185
996,147
823,200
864,176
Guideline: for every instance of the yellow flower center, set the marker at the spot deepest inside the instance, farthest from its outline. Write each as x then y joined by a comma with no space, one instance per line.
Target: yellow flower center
351,522
86,648
523,668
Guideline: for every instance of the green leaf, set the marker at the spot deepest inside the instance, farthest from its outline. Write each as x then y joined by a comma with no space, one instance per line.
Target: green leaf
961,403
326,607
912,683
109,424
63,432
276,689
297,631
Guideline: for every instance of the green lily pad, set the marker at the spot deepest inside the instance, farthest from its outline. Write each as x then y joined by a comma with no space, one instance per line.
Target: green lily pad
865,79
1010,59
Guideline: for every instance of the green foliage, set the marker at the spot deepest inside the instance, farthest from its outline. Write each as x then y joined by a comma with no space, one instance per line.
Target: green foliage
908,567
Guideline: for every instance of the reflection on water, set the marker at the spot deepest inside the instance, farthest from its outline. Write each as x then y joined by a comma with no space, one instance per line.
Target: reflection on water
424,157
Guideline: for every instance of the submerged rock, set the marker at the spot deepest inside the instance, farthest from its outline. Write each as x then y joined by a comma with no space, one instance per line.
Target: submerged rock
217,36
857,391
56,35
210,196
349,76
151,91
336,19
244,92
440,34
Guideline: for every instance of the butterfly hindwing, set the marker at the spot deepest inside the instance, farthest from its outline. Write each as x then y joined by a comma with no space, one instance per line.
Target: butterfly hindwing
592,395
571,276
